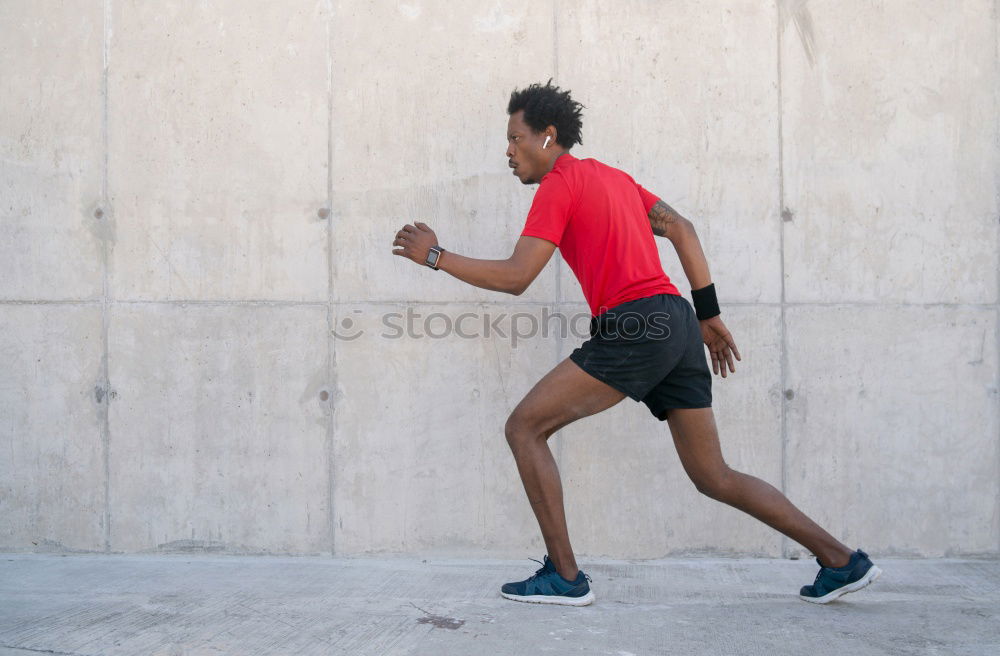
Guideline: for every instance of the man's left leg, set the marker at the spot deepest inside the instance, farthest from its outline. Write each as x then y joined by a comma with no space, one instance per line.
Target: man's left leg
562,396
697,442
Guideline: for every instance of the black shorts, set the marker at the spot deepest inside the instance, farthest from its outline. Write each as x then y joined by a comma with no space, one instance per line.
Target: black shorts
650,349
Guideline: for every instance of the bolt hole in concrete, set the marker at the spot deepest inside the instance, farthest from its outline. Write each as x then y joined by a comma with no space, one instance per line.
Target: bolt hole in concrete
324,395
98,213
322,212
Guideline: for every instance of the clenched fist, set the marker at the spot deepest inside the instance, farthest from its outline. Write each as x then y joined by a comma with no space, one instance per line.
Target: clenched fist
414,242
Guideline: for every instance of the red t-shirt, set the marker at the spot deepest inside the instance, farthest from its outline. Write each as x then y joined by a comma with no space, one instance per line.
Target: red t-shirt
598,216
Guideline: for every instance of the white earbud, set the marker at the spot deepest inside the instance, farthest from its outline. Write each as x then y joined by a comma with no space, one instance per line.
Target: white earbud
546,144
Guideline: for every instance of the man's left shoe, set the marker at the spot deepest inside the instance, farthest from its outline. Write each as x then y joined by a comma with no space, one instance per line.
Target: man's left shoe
546,586
833,582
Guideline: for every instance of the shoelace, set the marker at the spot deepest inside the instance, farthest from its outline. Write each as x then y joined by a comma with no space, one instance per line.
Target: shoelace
539,571
822,568
542,569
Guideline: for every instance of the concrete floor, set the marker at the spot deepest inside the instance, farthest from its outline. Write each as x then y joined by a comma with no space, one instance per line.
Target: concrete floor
216,604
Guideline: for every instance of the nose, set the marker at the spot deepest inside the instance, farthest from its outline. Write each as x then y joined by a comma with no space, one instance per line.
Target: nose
510,150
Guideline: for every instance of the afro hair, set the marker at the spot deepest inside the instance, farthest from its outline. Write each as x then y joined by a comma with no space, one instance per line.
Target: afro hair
548,105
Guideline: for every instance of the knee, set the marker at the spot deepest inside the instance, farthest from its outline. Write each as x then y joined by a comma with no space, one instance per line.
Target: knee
717,484
520,430
512,430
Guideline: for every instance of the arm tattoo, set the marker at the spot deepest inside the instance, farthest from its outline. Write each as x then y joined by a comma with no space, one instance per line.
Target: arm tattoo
663,219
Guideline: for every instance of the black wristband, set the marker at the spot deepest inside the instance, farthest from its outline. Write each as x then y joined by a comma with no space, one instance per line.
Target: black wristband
706,305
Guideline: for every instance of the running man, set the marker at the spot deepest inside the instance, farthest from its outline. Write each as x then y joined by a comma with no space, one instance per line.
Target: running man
646,341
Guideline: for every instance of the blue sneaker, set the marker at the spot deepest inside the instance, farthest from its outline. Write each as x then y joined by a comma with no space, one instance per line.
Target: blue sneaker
832,582
546,586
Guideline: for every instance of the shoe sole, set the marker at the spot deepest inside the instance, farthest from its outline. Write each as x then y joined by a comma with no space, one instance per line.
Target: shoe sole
873,573
552,599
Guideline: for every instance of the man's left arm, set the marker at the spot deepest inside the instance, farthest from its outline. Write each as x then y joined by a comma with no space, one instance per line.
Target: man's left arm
667,222
512,276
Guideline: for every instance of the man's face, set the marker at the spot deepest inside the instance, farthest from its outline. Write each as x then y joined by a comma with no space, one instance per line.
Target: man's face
524,150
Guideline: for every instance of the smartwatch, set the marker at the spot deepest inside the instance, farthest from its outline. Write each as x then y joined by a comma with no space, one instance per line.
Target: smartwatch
433,257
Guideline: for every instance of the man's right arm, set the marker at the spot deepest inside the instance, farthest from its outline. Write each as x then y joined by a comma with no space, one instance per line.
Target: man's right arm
667,222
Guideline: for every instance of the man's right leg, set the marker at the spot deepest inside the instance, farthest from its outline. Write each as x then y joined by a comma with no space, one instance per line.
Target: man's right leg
562,396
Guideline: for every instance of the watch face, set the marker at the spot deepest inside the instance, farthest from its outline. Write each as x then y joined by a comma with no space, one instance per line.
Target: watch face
432,258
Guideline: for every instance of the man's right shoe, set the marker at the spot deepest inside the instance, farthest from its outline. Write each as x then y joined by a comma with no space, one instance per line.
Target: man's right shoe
546,586
833,582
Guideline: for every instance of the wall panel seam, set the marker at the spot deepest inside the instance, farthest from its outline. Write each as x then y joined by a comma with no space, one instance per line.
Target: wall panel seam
558,255
785,547
111,303
330,343
996,206
106,216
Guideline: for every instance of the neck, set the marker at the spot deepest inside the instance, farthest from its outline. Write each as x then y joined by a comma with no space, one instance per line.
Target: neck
556,154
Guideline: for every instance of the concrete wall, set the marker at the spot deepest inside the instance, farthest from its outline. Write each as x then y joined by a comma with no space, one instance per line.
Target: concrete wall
198,201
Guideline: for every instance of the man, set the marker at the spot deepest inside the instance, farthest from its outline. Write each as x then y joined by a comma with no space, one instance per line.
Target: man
646,340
